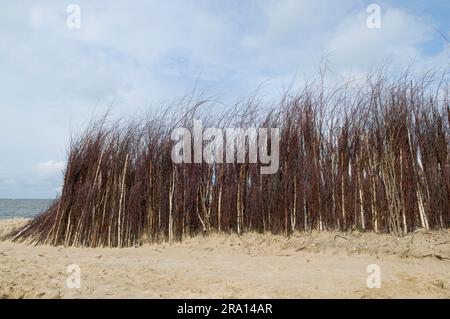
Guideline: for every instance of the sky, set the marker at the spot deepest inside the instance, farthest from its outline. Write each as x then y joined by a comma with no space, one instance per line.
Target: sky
56,73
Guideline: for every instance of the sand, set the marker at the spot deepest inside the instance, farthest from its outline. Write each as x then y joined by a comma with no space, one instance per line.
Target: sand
307,265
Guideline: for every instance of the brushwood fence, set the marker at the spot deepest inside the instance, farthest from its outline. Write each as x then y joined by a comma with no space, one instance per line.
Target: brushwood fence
373,157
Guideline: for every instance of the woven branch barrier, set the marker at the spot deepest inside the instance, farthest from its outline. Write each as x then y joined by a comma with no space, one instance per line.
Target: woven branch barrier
373,157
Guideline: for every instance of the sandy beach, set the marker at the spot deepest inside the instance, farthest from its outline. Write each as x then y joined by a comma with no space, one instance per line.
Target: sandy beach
307,265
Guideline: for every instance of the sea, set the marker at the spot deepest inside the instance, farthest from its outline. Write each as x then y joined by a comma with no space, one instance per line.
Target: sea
13,208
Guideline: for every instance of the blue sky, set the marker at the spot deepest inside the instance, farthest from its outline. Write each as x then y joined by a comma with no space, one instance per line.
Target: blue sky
139,54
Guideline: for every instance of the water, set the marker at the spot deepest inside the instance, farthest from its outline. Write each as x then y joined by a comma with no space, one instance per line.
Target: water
23,207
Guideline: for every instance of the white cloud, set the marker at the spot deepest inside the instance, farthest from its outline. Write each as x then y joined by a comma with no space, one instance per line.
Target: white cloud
354,46
50,169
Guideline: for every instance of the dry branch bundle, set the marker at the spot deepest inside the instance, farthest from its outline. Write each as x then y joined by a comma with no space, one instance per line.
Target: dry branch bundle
375,159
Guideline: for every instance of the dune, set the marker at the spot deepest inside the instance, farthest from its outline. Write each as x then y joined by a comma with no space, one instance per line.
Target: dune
305,265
